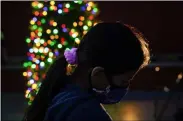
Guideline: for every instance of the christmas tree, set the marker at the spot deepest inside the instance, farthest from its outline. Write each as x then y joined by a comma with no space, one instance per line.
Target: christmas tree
54,27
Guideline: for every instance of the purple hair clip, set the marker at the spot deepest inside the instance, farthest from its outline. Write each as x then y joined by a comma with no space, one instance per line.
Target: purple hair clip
70,56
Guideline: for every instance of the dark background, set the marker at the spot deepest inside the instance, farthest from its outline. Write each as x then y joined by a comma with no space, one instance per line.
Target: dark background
161,23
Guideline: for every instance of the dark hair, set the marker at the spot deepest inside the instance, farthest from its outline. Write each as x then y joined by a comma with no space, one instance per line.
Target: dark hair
55,79
111,45
117,47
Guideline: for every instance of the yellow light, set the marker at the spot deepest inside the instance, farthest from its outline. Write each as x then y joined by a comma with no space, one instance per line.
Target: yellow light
32,34
52,3
48,31
95,24
77,41
40,5
41,49
80,23
72,30
88,8
90,3
56,36
89,23
74,24
54,23
131,112
180,76
24,73
34,4
52,37
38,44
31,98
27,91
34,86
82,18
84,32
44,13
32,22
157,69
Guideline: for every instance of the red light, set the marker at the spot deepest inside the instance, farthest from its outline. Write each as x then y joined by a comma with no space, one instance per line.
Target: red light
51,22
63,25
91,17
70,33
36,31
66,10
43,76
36,13
45,44
55,8
39,23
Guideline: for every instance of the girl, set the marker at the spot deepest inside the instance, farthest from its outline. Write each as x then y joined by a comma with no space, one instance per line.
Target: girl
98,72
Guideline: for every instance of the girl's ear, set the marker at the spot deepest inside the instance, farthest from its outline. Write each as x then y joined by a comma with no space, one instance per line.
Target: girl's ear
98,78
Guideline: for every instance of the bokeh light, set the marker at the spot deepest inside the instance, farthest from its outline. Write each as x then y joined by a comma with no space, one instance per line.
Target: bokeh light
49,34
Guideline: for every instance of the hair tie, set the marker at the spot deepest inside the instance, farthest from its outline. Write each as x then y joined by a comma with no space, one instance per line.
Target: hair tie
71,58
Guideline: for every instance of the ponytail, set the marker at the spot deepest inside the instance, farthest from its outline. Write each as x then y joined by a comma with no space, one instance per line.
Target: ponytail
55,79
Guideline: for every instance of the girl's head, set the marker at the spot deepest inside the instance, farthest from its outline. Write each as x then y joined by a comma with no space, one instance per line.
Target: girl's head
109,54
116,49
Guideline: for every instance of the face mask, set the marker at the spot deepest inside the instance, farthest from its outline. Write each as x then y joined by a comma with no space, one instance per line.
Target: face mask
111,95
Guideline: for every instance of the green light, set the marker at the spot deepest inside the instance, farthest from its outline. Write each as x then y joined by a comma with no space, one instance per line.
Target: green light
50,60
29,103
95,10
52,43
55,31
28,40
42,64
59,46
42,41
39,34
29,63
65,43
34,27
50,54
33,66
25,64
43,21
40,29
80,2
51,8
41,50
85,27
67,5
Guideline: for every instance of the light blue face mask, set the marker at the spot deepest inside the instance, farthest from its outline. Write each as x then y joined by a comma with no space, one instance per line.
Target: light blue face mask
110,95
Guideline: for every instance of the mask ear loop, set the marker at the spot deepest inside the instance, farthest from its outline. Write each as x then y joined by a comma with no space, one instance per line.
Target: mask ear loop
89,80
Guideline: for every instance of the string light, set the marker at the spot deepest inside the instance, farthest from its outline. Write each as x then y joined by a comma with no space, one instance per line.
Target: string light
157,69
49,34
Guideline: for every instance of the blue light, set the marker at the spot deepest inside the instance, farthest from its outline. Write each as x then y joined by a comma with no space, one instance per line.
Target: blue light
30,58
35,19
59,11
59,5
31,50
56,53
93,12
29,89
45,9
64,30
83,8
37,61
